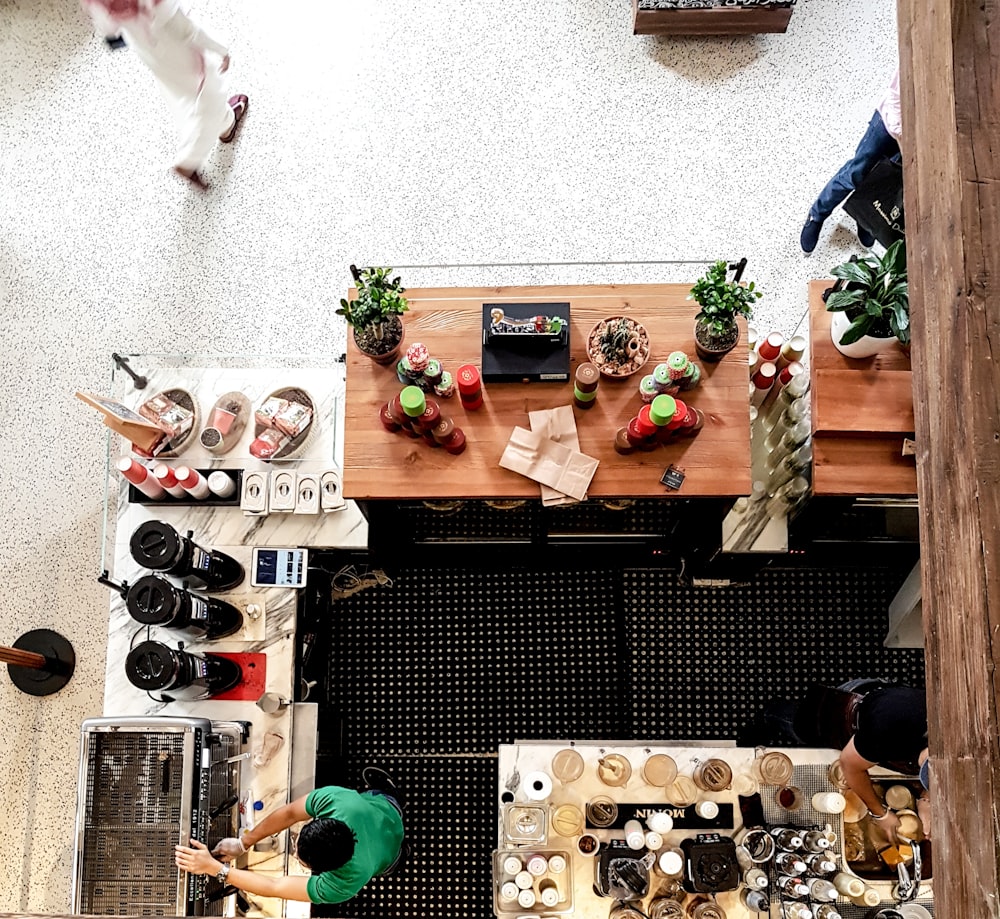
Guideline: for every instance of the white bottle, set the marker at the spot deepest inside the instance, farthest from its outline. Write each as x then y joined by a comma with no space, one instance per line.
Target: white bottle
755,877
634,835
850,885
822,890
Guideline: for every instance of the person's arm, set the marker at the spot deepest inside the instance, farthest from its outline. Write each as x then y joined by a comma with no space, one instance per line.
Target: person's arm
890,109
278,820
198,860
181,25
856,775
105,24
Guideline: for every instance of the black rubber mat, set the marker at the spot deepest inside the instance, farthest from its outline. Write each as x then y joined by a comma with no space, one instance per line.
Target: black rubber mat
705,659
428,674
445,662
451,831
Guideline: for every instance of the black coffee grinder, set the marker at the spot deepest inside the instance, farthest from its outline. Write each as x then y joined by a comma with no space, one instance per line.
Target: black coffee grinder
153,600
187,676
158,545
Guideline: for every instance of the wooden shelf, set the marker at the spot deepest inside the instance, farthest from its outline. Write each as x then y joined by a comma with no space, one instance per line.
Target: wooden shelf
710,21
861,412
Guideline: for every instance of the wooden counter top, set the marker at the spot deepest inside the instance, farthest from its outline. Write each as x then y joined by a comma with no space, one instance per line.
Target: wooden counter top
861,412
380,465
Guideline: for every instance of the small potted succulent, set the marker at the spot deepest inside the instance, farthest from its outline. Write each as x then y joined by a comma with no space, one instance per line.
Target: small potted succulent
375,314
716,331
870,303
618,345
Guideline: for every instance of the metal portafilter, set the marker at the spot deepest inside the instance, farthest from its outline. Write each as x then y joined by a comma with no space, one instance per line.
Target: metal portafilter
153,600
157,545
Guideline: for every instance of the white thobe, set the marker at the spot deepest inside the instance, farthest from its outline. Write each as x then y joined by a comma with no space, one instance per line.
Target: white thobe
174,48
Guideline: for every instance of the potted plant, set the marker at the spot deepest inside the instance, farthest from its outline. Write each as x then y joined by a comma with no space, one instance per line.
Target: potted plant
618,345
375,313
871,303
716,331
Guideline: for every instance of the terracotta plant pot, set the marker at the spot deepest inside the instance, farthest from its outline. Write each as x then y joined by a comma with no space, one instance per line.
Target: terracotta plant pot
384,350
712,348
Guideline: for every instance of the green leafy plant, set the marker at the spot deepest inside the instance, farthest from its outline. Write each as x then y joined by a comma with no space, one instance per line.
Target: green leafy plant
378,299
721,301
875,296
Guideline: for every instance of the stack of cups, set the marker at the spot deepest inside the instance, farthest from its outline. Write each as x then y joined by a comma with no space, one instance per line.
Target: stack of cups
411,411
665,384
587,378
470,387
684,372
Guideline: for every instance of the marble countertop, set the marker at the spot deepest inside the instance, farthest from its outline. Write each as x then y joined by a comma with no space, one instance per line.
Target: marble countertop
515,761
228,530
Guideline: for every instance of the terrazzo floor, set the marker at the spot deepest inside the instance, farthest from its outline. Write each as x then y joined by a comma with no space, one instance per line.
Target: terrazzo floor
438,133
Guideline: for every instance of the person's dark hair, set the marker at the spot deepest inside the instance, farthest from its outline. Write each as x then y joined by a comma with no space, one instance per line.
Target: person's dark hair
325,844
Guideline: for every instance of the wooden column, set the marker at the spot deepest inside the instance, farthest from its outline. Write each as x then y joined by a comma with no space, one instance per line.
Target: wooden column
950,92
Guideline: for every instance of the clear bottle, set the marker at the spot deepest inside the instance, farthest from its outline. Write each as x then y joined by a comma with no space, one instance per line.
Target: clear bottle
821,890
826,911
755,900
815,841
821,865
787,838
796,911
793,887
869,897
755,878
791,439
789,863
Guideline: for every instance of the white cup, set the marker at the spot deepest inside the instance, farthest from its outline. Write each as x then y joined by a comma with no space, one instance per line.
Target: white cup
271,703
654,841
707,810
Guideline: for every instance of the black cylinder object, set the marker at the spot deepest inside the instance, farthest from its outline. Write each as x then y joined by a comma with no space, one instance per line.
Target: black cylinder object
159,546
154,666
153,600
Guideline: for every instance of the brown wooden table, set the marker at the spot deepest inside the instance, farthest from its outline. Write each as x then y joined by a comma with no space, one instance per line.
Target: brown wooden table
380,465
861,412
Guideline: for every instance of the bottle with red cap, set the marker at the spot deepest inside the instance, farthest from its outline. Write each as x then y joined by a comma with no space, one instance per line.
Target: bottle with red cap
134,472
470,386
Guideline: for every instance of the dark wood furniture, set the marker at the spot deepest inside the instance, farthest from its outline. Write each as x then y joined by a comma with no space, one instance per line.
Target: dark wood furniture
861,412
710,21
381,465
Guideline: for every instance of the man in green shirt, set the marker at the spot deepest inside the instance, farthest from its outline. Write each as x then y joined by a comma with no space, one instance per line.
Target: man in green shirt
351,838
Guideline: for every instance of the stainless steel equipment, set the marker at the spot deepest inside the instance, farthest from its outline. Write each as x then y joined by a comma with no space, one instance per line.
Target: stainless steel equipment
146,784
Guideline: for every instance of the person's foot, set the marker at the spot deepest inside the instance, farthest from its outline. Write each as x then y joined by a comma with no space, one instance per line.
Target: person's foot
192,176
865,238
810,234
239,104
379,780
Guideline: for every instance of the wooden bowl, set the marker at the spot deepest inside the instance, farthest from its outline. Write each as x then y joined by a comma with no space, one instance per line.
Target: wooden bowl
618,371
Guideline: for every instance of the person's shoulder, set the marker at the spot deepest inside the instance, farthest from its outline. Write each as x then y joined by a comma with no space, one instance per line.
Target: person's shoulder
334,886
325,798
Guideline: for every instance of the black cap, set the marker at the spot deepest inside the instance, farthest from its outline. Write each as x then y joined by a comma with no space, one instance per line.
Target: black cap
152,600
152,665
156,545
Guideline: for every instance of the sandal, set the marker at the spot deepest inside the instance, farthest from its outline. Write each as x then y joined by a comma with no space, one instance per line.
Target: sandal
239,105
192,176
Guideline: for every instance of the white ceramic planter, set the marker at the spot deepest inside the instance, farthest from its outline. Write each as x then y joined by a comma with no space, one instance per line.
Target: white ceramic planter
865,346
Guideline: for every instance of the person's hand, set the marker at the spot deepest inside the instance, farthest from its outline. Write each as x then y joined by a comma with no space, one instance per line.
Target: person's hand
228,848
924,813
888,823
197,859
224,66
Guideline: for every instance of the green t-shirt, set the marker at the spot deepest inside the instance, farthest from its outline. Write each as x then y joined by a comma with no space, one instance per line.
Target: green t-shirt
379,831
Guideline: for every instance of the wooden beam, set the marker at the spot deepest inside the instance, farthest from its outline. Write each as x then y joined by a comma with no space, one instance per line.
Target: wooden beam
950,92
723,20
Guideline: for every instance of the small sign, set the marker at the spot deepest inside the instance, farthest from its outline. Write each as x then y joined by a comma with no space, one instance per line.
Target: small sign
673,477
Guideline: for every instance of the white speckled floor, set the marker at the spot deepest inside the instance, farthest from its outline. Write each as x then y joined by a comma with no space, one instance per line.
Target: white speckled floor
428,133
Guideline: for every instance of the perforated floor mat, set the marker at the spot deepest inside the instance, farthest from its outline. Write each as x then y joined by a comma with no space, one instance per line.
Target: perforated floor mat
431,673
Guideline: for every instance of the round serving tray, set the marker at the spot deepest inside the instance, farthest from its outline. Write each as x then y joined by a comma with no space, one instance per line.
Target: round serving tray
297,443
185,400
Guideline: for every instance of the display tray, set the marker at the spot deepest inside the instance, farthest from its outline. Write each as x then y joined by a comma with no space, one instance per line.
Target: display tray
562,880
176,446
295,445
137,497
685,818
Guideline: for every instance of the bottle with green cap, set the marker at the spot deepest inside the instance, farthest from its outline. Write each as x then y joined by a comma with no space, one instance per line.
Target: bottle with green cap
413,401
662,409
